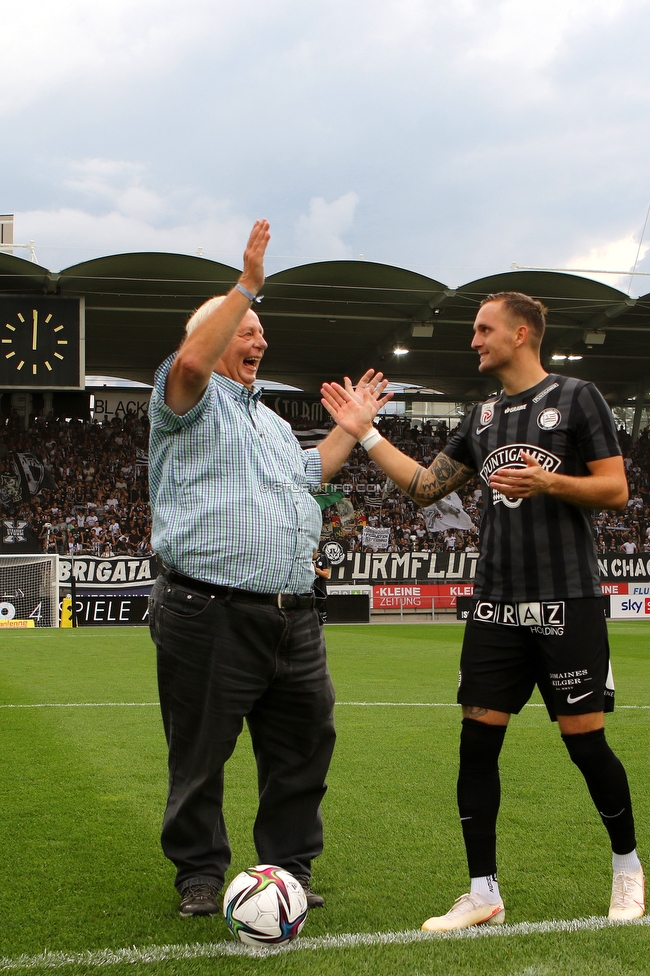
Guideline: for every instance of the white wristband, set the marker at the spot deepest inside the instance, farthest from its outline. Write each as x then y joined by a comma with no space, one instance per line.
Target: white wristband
371,439
248,294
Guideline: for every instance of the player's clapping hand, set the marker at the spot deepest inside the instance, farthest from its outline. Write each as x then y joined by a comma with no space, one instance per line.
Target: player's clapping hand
521,482
252,277
355,408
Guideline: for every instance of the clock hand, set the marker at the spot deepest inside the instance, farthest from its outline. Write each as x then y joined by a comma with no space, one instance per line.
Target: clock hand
35,327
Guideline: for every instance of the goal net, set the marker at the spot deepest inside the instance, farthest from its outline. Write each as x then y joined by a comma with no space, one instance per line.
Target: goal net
29,591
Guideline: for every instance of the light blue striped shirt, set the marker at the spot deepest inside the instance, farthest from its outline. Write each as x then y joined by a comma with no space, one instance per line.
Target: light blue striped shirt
229,488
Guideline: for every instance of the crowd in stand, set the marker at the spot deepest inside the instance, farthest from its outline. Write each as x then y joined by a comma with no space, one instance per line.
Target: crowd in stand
629,531
372,501
94,497
96,500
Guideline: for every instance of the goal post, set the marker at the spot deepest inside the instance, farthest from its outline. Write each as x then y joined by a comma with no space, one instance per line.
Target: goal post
29,591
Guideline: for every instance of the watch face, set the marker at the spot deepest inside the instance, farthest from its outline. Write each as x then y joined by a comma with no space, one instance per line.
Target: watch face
41,343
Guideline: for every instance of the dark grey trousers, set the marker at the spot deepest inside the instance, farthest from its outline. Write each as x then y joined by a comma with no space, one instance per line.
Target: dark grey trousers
221,661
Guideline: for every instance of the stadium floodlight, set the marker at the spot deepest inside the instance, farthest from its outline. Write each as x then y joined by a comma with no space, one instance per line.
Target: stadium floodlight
558,356
594,337
574,357
422,330
399,351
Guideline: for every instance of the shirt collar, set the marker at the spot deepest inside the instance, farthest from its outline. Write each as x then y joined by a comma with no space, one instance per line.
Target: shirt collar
236,390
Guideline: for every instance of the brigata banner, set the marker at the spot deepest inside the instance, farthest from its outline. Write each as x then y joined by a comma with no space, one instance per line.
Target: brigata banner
115,609
116,573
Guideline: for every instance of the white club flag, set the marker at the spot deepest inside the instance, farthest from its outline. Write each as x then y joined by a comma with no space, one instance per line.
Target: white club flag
448,513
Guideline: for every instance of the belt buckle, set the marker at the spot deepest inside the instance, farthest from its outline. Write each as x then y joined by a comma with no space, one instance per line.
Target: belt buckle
279,600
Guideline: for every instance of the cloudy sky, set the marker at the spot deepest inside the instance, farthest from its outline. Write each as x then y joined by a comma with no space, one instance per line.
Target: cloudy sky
452,137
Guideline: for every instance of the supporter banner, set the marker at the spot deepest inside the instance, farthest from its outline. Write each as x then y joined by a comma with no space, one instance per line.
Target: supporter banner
620,566
17,537
385,567
26,476
115,573
112,610
377,538
616,569
297,406
33,473
111,403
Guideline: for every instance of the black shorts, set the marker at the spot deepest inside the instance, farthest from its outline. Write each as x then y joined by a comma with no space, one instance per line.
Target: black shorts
559,645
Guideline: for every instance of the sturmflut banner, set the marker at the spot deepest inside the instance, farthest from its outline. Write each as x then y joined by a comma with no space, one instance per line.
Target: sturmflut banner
452,567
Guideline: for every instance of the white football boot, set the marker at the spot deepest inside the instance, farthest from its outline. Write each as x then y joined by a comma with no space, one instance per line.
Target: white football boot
628,895
469,909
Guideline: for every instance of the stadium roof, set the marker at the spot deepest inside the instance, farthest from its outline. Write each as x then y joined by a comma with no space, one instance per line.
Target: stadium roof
332,318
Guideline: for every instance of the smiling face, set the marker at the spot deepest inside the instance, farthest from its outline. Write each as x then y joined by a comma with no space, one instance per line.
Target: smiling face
242,356
496,338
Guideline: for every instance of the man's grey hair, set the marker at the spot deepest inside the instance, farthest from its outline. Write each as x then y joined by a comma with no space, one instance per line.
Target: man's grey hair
202,313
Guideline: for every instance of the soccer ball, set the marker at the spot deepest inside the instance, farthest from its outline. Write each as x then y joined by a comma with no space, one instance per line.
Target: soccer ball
265,905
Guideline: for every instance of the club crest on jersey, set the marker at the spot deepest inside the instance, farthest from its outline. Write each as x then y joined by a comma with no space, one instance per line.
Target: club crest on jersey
487,416
549,418
509,456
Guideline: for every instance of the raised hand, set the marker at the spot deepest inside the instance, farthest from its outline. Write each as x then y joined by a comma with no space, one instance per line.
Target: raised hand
372,381
252,277
354,409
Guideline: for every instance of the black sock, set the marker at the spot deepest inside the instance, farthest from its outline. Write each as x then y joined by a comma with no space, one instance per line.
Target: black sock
607,783
479,793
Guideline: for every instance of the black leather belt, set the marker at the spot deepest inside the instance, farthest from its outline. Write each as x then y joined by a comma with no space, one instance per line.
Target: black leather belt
285,601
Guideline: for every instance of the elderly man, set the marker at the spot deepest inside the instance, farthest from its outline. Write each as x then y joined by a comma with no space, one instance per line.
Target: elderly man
232,614
547,452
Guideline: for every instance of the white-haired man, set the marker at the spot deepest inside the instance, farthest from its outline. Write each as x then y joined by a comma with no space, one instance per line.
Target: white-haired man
232,614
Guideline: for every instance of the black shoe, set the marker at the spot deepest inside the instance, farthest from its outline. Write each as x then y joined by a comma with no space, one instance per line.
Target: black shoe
313,900
200,899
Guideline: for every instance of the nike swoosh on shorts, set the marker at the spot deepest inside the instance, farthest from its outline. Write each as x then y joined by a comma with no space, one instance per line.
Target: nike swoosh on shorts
572,701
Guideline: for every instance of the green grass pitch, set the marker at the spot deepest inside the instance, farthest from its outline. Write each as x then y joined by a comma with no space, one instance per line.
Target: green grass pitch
83,790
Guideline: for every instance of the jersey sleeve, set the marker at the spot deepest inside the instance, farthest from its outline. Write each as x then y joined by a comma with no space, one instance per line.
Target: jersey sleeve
458,447
596,430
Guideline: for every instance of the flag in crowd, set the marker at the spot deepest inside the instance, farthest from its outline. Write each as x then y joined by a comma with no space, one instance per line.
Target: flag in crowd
448,513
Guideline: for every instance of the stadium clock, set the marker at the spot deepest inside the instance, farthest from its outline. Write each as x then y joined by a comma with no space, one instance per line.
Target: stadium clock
42,343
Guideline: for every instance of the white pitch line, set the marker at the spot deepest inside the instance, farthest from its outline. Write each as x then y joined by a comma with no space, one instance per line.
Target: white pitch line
85,705
359,704
214,950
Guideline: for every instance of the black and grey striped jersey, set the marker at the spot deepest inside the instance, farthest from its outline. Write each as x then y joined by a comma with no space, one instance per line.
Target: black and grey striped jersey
536,548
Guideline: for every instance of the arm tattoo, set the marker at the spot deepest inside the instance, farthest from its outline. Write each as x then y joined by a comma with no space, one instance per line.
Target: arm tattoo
443,476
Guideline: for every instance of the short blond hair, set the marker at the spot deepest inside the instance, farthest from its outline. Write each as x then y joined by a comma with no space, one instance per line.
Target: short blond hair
523,307
202,313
